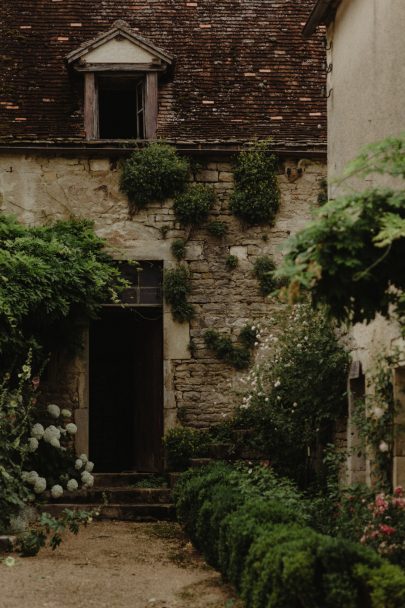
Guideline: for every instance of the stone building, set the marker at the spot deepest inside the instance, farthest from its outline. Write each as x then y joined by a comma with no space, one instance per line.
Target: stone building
81,87
365,89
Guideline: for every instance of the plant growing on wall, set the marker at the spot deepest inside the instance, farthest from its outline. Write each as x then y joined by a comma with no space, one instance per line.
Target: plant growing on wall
154,173
232,262
237,355
256,198
178,249
217,228
193,206
177,286
263,270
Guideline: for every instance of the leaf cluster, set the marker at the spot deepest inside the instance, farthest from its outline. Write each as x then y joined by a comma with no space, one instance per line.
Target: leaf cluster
154,173
239,356
177,286
217,228
256,198
263,270
193,206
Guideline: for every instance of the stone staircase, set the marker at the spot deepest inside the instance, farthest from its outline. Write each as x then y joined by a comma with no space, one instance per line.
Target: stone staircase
117,496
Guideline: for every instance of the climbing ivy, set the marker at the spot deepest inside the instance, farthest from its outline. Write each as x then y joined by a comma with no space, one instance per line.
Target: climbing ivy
256,198
193,206
237,355
154,173
177,286
263,270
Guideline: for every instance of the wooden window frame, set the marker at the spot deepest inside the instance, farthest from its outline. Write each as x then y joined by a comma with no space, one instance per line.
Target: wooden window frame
91,107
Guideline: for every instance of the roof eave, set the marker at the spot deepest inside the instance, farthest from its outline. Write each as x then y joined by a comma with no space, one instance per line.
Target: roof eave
321,14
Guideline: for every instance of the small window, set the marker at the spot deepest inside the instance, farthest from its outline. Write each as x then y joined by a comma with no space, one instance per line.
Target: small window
145,280
121,105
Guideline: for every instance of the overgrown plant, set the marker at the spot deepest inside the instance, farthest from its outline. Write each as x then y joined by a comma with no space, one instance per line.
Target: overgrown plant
232,262
351,258
178,249
193,206
256,198
263,270
237,355
50,276
296,392
153,173
217,228
177,286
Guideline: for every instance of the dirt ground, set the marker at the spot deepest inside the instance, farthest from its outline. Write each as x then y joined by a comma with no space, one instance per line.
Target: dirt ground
116,565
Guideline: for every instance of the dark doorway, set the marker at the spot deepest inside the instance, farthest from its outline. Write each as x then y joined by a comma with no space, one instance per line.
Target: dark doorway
126,389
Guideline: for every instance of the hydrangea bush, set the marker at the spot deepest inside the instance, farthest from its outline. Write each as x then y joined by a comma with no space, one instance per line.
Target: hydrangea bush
36,449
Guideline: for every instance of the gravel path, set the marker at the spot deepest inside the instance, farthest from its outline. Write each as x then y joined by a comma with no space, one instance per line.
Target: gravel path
116,565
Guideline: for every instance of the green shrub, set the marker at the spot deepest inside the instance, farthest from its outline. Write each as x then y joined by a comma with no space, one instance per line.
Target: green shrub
193,206
253,527
177,286
182,444
256,198
217,228
263,270
232,262
178,249
154,173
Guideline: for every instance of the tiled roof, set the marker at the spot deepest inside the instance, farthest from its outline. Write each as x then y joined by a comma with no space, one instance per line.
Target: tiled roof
241,68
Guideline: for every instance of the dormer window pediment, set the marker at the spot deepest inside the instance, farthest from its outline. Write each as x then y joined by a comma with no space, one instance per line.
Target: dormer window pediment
121,83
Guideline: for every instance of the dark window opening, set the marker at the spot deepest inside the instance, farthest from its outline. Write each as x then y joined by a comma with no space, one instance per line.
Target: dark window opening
145,283
121,102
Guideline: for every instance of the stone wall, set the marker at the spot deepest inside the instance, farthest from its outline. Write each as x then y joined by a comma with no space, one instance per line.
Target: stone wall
198,389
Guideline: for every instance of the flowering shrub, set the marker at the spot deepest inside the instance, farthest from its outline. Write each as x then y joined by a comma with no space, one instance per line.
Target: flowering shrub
296,392
385,530
35,456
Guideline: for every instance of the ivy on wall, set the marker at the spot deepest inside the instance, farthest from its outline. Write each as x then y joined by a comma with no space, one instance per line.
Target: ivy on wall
237,355
263,270
177,286
193,206
256,198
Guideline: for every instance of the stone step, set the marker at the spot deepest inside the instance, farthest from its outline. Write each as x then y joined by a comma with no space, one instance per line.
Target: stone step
118,495
108,480
195,463
122,512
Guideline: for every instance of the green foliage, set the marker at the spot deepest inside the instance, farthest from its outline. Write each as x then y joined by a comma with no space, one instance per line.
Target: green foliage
193,206
297,393
182,444
177,286
263,270
49,277
253,527
323,192
52,529
154,173
239,356
178,249
232,262
352,256
256,197
217,228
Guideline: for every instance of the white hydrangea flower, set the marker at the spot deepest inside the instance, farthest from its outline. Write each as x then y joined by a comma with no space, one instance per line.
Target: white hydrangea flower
383,447
83,458
66,413
55,443
87,479
378,412
53,410
40,485
33,444
89,466
37,431
25,475
71,428
78,464
72,485
51,432
31,477
56,491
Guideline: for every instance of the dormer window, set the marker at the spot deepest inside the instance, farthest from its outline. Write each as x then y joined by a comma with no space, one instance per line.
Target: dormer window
121,72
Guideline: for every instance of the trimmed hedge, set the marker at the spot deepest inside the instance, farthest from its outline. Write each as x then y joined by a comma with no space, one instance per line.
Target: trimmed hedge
253,527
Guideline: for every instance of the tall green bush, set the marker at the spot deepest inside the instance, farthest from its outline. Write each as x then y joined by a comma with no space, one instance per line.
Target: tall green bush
256,198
